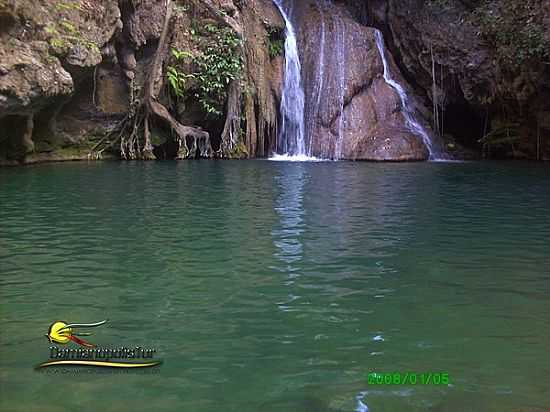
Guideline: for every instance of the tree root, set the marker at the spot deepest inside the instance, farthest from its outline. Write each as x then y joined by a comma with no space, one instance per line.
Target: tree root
201,139
230,135
143,109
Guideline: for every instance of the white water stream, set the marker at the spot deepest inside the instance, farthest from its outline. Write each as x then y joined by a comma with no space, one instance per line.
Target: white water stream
412,124
291,142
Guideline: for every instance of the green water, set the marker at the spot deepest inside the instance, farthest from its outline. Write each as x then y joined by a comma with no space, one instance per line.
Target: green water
272,286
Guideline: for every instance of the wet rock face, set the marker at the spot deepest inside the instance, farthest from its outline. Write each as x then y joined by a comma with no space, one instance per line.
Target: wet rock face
375,128
351,112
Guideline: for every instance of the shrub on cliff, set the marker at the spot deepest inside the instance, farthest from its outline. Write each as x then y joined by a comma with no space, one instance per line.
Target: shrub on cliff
215,65
515,28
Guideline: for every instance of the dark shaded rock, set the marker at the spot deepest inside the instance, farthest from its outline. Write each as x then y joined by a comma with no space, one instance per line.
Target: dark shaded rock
112,94
480,82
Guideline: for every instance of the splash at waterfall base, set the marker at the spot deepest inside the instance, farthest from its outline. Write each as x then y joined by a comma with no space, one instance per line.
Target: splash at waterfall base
350,111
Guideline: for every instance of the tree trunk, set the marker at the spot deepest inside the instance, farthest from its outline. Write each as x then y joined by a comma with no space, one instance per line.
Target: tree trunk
232,127
152,107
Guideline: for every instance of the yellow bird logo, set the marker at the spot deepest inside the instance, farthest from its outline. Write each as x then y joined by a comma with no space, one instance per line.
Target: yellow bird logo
63,332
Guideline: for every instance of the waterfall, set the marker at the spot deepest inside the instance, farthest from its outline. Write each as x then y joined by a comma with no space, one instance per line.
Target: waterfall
290,141
412,124
341,53
319,81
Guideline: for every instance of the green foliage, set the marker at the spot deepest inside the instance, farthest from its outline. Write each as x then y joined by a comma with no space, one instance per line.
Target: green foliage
211,28
216,64
275,42
239,151
51,30
66,35
158,137
502,134
515,29
181,8
175,75
177,80
180,55
63,6
58,43
275,48
69,27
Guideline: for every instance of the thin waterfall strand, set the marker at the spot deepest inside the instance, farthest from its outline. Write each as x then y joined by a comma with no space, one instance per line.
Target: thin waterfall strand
341,47
291,134
320,75
412,124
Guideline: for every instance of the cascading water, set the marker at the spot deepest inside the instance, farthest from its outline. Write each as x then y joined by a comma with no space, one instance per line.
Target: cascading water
291,141
324,76
313,102
318,84
412,124
341,53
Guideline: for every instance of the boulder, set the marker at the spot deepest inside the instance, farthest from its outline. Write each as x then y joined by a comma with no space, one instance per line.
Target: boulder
351,112
30,77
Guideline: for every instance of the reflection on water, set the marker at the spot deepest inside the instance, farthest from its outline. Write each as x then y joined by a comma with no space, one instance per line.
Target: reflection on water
289,206
275,286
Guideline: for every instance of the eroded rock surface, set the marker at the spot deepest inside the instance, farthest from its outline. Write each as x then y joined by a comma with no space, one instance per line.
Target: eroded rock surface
71,71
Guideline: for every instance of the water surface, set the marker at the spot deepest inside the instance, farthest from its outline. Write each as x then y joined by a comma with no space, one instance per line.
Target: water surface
278,286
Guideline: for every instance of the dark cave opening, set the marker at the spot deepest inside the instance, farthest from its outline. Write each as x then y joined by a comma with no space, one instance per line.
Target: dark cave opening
7,21
165,146
12,127
464,123
214,127
189,112
166,151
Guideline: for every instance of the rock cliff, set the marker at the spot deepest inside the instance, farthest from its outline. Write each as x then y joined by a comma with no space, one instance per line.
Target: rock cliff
96,79
78,79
